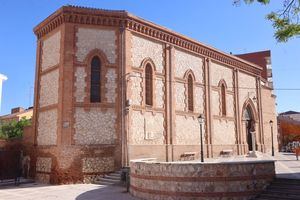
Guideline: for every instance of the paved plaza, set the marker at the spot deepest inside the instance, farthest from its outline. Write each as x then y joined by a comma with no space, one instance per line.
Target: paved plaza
286,167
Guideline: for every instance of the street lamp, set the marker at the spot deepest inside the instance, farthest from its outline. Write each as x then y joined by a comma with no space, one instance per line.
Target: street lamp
201,121
271,124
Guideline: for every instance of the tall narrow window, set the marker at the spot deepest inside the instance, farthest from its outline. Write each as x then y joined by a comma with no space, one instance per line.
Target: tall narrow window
95,90
149,85
190,93
223,100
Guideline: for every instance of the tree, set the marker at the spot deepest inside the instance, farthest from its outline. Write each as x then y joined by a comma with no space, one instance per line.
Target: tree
13,129
285,21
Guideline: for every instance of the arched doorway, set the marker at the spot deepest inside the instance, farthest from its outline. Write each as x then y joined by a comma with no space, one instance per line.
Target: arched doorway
250,126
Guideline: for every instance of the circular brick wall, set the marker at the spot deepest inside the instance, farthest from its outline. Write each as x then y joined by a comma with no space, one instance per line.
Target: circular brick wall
229,180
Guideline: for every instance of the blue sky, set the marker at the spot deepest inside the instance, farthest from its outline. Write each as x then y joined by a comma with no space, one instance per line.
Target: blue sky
216,23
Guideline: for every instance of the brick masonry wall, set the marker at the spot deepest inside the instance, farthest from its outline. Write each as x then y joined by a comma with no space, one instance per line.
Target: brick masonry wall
243,180
269,113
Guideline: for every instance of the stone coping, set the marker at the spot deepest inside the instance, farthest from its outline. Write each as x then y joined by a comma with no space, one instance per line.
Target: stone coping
204,163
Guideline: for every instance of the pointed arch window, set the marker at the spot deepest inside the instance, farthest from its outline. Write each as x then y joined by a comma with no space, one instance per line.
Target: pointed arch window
95,89
223,99
190,93
149,85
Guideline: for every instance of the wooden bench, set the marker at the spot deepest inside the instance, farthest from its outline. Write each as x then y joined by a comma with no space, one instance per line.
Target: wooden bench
226,152
188,156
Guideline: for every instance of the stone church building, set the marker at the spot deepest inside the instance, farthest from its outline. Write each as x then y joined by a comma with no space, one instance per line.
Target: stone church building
111,87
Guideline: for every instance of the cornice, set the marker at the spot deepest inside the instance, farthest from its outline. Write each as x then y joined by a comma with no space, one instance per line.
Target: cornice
122,19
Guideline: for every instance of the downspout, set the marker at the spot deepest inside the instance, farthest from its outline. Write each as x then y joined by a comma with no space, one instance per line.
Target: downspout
122,99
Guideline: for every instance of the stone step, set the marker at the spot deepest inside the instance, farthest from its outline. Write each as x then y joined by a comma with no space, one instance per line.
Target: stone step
284,192
285,189
280,194
11,182
286,181
109,180
103,183
113,177
274,196
115,174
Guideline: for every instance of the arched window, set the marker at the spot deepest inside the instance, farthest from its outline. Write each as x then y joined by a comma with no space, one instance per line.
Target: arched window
223,99
190,93
95,90
149,85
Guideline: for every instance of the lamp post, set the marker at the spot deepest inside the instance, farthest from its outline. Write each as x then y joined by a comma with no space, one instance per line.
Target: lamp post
201,121
271,125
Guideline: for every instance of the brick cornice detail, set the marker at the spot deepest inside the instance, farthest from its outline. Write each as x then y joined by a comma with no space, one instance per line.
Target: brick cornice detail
122,19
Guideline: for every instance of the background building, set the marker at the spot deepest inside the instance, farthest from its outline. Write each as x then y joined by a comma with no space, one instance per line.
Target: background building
111,87
288,127
17,114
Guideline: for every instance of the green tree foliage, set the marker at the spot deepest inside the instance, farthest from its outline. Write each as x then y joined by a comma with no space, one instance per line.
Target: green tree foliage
13,129
285,21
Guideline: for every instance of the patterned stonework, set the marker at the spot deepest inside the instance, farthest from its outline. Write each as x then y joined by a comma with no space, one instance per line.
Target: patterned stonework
247,88
136,88
51,51
219,72
94,126
47,127
145,48
198,99
42,178
180,96
80,84
187,130
146,128
230,105
111,85
43,164
159,93
185,61
89,39
215,102
49,88
223,132
99,164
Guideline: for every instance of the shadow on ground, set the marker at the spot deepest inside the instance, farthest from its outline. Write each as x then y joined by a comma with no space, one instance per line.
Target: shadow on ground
106,193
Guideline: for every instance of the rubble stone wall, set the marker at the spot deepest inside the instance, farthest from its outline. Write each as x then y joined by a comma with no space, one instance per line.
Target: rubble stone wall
47,127
89,39
232,180
51,51
95,126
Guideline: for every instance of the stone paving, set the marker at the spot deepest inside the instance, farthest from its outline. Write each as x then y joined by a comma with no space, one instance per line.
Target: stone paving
64,192
286,167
